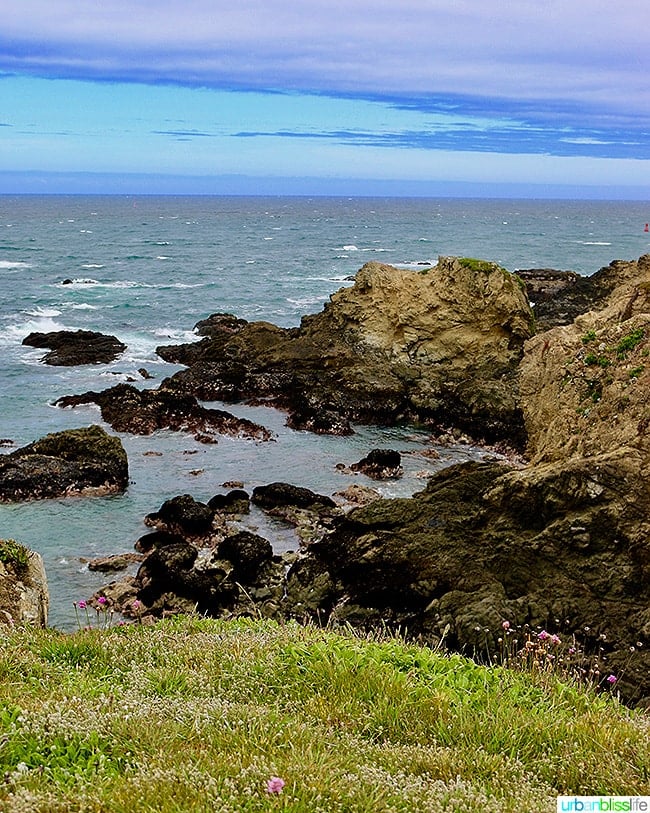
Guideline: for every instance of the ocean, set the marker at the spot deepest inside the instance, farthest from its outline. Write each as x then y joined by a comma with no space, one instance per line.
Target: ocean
146,269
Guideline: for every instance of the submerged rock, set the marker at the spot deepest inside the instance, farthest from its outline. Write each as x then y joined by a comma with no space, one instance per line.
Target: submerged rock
76,461
72,347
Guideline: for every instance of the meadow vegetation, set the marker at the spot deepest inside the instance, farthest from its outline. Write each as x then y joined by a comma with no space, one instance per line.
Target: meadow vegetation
194,714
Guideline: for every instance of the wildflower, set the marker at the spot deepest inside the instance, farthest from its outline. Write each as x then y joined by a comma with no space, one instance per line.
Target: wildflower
572,650
82,604
555,639
543,635
506,625
136,605
102,600
275,785
612,679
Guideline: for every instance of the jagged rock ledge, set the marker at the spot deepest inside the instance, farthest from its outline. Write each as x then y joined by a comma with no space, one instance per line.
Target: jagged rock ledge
71,347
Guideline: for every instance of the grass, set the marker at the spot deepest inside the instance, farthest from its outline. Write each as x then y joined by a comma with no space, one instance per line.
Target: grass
198,715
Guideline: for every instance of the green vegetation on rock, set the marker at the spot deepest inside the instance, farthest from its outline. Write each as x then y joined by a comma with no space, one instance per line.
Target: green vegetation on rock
14,554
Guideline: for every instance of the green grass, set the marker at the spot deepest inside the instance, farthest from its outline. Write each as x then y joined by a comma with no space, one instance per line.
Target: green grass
197,715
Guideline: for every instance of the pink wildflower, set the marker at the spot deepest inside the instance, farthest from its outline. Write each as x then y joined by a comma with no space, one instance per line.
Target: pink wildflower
572,650
82,604
102,600
543,635
612,679
136,605
506,625
555,639
275,785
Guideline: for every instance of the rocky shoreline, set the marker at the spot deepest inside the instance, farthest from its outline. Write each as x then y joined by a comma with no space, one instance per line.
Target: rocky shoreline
548,364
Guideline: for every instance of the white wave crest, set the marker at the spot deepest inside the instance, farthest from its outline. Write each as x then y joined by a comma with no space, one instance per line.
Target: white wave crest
13,265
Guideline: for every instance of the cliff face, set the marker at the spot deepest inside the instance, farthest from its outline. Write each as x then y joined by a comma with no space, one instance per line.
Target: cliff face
584,386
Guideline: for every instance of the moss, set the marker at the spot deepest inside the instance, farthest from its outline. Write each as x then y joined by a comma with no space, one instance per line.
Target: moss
478,265
80,444
589,336
591,359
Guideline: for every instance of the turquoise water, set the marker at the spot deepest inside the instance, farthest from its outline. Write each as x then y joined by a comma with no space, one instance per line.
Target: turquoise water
146,269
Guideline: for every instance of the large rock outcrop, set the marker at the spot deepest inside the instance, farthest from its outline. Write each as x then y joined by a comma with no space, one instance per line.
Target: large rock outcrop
63,464
562,543
440,345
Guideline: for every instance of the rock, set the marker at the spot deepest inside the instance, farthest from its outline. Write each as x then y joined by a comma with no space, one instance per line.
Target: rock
559,297
118,561
142,412
24,595
358,495
380,464
217,329
279,495
247,552
439,346
236,501
145,373
483,543
76,461
72,347
183,516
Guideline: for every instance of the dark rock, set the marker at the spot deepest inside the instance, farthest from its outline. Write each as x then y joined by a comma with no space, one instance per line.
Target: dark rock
247,552
558,297
76,461
278,495
482,544
380,464
156,539
236,501
183,515
119,561
72,347
67,282
142,412
217,329
145,373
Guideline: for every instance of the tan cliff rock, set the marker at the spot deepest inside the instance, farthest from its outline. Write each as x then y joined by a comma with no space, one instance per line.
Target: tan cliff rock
442,345
24,595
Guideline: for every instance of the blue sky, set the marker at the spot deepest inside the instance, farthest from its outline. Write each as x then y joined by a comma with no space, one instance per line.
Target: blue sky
536,97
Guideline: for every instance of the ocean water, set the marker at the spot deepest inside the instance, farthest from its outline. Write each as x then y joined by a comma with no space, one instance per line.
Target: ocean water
146,269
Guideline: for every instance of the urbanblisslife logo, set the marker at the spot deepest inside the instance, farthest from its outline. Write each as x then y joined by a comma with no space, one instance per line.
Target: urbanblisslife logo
611,804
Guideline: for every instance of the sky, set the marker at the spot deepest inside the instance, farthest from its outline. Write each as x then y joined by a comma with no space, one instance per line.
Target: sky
539,98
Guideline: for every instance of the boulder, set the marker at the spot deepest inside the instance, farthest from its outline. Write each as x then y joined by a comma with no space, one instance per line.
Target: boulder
281,495
235,501
24,596
72,347
380,464
182,516
62,464
247,552
438,345
142,412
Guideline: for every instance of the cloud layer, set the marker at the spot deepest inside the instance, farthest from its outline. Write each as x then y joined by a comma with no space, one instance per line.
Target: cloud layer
565,78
